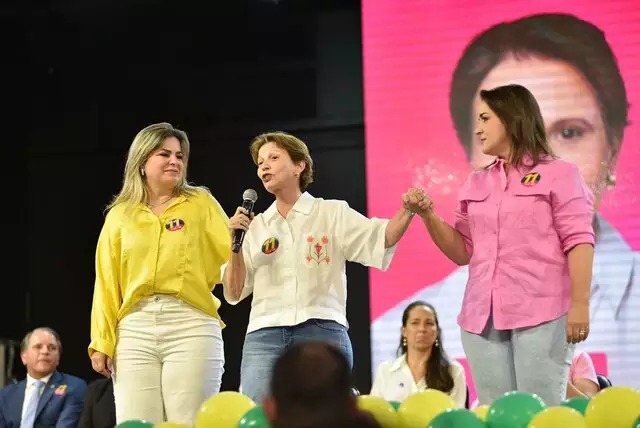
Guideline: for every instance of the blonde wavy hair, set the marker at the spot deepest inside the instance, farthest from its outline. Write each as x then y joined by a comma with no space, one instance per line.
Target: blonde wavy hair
134,189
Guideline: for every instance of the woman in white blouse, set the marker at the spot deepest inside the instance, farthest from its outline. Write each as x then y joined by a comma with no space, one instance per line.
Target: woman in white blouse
293,260
423,362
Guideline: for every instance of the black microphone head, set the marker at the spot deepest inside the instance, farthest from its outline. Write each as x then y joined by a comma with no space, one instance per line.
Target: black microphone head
250,195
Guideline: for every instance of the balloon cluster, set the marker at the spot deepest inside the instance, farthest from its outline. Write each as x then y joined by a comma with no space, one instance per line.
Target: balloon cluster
613,407
224,410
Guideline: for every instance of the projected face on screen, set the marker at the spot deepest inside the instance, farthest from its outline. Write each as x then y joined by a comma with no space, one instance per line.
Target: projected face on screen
570,110
420,88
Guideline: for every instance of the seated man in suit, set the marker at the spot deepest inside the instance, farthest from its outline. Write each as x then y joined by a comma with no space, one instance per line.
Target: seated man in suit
99,405
47,397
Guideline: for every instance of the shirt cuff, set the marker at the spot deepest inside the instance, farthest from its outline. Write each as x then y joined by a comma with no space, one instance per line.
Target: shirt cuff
577,239
102,345
382,256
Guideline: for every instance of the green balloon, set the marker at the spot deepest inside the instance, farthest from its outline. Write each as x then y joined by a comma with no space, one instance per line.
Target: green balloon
254,418
514,410
135,424
457,418
636,424
395,405
577,403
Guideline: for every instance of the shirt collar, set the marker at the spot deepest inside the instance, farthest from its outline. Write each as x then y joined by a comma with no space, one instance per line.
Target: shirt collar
304,205
399,363
612,252
31,381
178,200
526,160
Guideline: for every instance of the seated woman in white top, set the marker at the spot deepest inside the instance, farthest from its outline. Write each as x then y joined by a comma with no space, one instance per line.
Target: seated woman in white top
423,363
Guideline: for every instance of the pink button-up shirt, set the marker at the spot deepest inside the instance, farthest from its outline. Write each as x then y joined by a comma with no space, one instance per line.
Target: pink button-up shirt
518,228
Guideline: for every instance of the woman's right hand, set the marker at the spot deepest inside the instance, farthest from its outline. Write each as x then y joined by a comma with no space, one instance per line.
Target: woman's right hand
240,220
101,363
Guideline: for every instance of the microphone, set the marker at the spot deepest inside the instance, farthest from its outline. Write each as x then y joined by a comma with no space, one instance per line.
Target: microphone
249,197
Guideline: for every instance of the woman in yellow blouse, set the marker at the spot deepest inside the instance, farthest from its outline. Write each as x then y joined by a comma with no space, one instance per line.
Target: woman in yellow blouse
155,327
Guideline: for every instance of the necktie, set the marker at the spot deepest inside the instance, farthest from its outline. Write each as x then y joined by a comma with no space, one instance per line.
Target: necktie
30,415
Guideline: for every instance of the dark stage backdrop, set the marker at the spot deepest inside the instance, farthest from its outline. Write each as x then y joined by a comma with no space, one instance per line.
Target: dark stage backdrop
101,72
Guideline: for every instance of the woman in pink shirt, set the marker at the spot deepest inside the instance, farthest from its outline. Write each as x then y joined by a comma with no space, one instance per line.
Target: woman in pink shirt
524,227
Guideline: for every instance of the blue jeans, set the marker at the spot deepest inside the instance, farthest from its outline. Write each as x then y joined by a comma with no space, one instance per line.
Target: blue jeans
263,347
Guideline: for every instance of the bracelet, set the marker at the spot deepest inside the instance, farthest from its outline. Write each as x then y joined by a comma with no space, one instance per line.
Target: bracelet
411,213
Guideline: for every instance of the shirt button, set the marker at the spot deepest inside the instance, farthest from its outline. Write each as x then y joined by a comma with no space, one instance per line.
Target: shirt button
156,298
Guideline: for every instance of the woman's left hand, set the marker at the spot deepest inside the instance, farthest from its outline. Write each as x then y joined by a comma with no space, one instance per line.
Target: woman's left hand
578,322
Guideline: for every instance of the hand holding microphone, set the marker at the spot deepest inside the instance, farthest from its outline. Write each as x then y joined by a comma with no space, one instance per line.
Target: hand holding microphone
239,223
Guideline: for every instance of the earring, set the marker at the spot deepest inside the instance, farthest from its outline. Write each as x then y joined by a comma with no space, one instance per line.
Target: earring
610,181
296,174
141,171
437,343
404,341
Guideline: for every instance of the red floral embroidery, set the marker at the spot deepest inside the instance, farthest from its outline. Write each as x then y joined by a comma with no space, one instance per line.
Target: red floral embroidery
318,252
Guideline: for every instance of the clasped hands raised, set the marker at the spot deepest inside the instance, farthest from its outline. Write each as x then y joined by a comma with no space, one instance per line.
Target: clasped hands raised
417,201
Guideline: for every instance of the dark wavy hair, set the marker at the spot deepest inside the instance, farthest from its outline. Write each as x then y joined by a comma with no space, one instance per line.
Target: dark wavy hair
438,375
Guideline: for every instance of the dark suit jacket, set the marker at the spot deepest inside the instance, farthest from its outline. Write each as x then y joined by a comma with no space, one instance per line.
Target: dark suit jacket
60,404
99,405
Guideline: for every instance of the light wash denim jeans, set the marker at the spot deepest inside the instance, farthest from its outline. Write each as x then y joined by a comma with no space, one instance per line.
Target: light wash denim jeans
263,347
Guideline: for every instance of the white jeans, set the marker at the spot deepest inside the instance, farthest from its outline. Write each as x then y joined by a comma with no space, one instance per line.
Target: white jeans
168,360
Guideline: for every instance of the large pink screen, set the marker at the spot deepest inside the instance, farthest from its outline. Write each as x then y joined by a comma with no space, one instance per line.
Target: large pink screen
411,49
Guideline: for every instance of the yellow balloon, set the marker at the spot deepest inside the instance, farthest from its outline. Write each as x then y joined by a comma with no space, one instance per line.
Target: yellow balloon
223,410
170,425
613,407
481,411
558,417
419,409
382,411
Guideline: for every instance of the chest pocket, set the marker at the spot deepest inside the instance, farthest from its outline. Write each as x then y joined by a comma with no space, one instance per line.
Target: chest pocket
473,204
530,208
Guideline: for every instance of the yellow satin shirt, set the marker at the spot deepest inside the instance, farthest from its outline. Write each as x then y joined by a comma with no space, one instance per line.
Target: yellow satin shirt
140,254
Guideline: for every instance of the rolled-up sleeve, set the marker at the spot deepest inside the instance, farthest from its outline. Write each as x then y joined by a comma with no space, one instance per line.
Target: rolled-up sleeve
461,216
363,239
572,205
461,224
